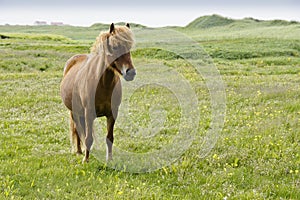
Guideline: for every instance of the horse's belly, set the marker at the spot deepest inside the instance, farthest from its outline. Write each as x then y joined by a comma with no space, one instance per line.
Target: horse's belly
106,109
66,94
101,110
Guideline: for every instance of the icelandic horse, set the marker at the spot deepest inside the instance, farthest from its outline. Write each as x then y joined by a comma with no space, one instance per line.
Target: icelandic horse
91,86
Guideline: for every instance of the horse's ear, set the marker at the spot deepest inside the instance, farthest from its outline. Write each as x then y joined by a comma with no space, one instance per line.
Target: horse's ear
127,24
112,28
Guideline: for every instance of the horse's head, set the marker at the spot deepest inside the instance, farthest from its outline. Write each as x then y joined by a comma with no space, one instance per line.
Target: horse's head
116,45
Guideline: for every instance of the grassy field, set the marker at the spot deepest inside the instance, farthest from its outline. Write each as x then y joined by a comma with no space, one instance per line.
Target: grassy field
256,156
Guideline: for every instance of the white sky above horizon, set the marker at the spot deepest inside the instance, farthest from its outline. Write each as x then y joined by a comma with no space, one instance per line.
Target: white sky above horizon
153,13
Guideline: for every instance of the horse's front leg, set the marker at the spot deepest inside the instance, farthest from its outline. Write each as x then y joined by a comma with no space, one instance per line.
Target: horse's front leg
89,119
110,137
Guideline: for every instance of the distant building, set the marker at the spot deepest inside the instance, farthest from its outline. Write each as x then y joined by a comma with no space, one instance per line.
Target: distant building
57,23
40,23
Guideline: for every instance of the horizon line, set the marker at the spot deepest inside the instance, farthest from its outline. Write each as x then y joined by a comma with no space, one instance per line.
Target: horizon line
62,23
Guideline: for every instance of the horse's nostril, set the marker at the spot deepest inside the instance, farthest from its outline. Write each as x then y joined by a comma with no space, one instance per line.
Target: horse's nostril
131,71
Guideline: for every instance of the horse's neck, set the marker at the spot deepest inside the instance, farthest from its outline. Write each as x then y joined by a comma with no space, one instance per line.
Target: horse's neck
109,77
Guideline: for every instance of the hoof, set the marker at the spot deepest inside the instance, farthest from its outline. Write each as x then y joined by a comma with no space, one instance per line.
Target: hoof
78,152
109,157
109,160
86,157
84,160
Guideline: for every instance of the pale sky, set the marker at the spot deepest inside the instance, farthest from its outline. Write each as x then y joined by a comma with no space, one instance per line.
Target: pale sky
152,13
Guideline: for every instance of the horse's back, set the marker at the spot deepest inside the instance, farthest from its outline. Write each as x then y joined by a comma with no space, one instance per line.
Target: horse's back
73,61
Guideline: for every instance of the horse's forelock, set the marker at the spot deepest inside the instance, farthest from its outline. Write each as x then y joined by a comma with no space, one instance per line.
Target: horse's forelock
121,35
124,36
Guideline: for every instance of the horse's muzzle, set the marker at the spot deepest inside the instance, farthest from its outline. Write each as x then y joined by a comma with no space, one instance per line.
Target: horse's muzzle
130,74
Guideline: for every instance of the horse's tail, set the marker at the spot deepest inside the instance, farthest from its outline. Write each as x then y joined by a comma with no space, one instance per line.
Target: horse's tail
73,61
74,137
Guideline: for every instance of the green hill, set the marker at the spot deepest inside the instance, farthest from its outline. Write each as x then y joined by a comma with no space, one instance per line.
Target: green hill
211,21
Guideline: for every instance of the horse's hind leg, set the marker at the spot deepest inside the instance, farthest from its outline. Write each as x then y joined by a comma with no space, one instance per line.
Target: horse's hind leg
75,139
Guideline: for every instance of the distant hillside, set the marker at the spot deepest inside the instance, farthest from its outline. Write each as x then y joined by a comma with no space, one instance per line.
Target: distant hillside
99,26
209,21
218,21
198,29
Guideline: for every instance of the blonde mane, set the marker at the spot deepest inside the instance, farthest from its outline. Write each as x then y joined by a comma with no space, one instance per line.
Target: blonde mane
121,35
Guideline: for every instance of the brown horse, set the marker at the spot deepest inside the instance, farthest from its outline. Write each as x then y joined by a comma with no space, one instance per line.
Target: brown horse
91,86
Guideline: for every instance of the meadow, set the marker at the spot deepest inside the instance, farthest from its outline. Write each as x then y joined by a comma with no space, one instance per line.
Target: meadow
256,154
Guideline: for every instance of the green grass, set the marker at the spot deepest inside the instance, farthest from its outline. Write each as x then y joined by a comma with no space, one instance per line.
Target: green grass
257,155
